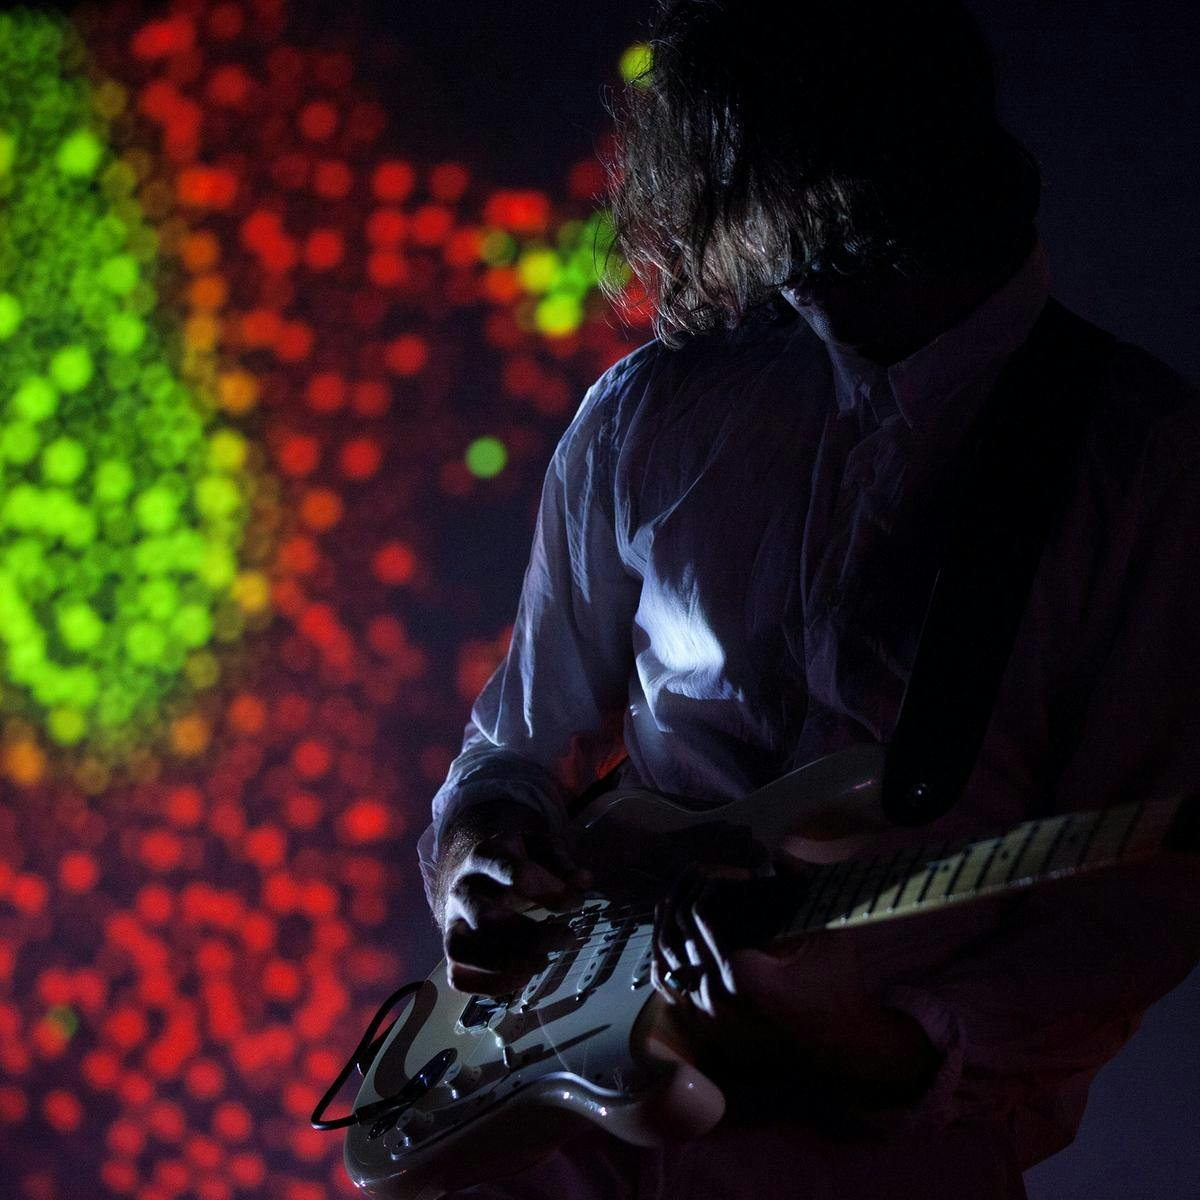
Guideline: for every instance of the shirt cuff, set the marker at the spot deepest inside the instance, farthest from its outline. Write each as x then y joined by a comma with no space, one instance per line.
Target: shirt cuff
464,798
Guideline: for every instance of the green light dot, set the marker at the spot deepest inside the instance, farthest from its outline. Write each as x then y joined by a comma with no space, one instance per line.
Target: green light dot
71,368
35,399
216,496
125,332
152,556
80,154
145,643
10,314
63,460
19,442
120,274
635,63
156,510
193,625
67,725
227,450
79,626
82,686
158,598
486,457
558,315
217,568
8,151
113,481
538,269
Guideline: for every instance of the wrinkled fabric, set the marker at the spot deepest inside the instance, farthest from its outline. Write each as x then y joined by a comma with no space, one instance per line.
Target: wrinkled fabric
731,562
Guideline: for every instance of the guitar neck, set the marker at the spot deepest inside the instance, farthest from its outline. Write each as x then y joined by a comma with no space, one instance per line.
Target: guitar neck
920,879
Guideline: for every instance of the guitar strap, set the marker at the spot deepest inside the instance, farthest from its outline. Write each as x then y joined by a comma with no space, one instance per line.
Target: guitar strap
1009,488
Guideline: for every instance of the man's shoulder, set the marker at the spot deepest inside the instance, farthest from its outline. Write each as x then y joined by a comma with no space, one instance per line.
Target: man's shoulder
1148,420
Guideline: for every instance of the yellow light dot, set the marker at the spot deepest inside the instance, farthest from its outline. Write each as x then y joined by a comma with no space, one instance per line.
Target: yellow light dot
237,392
252,591
24,763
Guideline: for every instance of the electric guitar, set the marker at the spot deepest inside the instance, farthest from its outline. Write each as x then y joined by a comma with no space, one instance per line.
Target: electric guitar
464,1088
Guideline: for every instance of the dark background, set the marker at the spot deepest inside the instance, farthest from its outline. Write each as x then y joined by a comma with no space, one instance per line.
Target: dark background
1106,94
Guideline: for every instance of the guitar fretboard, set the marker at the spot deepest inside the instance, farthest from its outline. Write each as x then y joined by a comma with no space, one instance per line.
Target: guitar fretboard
929,876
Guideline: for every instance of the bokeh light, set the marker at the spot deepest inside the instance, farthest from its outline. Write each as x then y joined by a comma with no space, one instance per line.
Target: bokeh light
275,379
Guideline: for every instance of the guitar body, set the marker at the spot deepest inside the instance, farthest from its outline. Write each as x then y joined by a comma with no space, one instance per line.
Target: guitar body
588,1040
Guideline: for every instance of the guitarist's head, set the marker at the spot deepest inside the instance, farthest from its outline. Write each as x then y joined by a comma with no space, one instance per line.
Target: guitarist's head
848,148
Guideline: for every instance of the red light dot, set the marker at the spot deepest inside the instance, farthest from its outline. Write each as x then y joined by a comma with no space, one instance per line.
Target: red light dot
134,1089
125,1028
385,635
386,226
332,179
13,1105
161,850
258,932
318,120
118,1176
366,820
265,846
370,398
393,180
321,509
28,893
62,1110
261,327
360,458
407,354
225,21
394,563
448,181
247,1170
231,1121
54,986
302,810
126,1137
161,38
204,1152
204,1079
78,872
299,455
292,712
432,224
281,980
100,1069
300,556
386,268
295,341
586,180
185,806
167,1121
326,392
206,187
324,249
311,759
462,247
155,903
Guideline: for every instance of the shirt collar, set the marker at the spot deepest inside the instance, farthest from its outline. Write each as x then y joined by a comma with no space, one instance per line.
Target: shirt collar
920,385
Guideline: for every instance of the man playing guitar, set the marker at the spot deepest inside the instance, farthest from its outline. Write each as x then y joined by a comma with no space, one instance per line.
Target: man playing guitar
733,555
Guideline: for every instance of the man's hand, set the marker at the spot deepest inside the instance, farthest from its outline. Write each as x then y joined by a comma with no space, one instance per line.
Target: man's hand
499,861
806,1004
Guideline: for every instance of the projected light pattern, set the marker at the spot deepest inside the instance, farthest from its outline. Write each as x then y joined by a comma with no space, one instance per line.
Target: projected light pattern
382,351
123,502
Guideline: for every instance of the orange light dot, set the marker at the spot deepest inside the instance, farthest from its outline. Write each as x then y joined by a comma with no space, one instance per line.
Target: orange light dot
199,251
190,735
201,331
360,458
298,556
247,713
78,872
394,563
237,391
321,509
24,763
501,284
208,292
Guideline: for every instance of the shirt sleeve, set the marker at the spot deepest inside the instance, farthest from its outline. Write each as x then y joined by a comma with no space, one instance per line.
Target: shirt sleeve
1026,1018
550,718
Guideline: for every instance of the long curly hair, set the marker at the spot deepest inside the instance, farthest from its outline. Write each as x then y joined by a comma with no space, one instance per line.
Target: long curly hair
768,143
